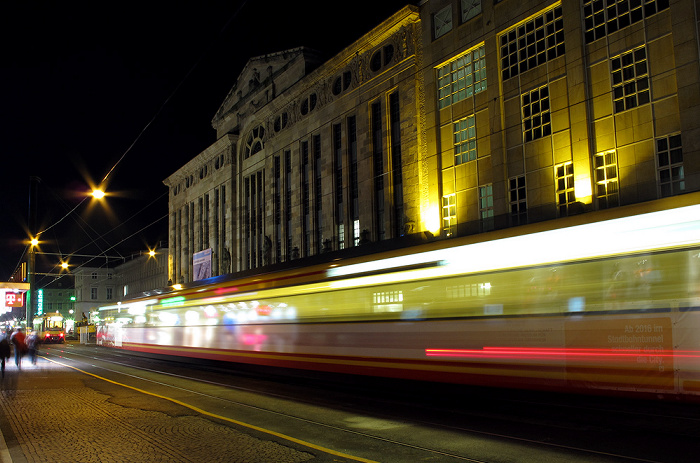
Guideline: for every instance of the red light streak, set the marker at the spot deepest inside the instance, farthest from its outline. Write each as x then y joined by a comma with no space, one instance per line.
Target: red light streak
230,289
556,353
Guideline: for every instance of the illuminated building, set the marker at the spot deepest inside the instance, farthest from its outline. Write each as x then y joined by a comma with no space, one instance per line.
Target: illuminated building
451,117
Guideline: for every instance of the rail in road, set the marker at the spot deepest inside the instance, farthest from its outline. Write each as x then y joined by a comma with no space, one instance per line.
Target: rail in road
86,403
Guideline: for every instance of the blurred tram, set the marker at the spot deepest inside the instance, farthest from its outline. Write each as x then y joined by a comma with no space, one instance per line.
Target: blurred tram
603,301
49,328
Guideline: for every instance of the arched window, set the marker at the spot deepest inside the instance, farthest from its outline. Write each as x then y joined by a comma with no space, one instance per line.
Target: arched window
254,142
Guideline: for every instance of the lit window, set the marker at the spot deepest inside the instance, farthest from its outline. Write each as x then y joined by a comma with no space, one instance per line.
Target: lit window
356,232
630,80
486,207
536,116
518,201
465,140
669,161
449,214
462,77
601,18
565,187
606,179
533,43
442,21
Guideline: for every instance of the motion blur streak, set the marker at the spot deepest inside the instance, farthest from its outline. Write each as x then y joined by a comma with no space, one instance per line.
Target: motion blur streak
543,353
606,301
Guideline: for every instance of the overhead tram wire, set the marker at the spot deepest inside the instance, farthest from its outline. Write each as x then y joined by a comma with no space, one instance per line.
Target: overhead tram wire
160,109
177,88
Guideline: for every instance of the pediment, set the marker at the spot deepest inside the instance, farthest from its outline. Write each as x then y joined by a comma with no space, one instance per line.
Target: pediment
256,76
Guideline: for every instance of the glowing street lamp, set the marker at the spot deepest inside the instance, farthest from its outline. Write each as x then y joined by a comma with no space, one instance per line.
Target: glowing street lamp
98,194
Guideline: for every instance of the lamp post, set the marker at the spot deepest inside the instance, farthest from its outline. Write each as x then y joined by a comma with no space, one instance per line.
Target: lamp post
31,270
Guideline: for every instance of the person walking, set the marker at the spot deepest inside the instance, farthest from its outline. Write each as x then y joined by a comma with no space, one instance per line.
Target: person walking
18,341
32,346
4,350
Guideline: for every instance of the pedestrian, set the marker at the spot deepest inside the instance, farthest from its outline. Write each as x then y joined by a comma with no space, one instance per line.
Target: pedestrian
4,350
32,346
18,341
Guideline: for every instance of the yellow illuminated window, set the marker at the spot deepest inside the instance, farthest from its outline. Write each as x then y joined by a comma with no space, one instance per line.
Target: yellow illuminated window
630,80
565,187
536,117
605,18
606,179
464,132
449,214
462,77
532,43
669,161
486,207
518,200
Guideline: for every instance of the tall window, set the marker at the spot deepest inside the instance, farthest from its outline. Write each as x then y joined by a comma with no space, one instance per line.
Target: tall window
254,211
630,80
601,18
318,193
449,214
378,161
486,207
93,293
669,162
277,205
396,166
353,185
533,43
518,200
217,243
288,202
205,225
338,184
565,187
305,199
222,232
462,77
607,190
536,117
464,134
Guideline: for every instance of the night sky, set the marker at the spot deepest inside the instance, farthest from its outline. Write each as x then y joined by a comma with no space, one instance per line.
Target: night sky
87,84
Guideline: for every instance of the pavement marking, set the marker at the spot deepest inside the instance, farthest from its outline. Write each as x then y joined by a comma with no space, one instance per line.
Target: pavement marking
213,415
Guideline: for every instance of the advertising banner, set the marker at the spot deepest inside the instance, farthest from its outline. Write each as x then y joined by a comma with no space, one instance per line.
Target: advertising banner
201,264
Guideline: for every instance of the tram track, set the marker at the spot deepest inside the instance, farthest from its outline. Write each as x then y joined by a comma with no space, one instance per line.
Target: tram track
484,423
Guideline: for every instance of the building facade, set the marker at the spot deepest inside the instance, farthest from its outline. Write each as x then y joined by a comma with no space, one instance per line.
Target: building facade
103,286
58,296
94,287
451,117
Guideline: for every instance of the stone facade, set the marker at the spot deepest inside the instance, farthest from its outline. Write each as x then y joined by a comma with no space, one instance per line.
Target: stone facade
452,118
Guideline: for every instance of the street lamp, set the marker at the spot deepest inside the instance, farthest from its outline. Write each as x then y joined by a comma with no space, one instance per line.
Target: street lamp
98,194
31,270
